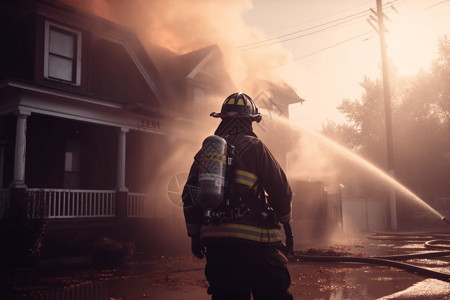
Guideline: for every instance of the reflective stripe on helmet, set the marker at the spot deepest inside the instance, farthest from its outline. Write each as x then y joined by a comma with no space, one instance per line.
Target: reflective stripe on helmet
230,101
247,232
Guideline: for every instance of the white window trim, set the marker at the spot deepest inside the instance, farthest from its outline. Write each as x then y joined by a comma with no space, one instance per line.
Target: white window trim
46,52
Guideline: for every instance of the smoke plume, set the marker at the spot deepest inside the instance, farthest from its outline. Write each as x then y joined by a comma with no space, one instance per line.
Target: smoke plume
184,25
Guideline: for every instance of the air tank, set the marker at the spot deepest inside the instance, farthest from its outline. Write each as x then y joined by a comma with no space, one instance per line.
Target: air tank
212,168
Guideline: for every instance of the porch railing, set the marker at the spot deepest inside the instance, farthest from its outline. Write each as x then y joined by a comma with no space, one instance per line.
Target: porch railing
142,206
5,195
62,203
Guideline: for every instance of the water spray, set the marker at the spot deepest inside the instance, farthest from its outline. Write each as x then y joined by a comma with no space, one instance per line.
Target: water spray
446,220
387,178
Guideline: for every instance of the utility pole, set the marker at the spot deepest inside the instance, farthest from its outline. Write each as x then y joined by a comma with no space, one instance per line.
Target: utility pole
387,108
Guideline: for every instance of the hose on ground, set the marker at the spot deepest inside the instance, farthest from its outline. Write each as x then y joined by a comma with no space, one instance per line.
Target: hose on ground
438,244
379,261
393,260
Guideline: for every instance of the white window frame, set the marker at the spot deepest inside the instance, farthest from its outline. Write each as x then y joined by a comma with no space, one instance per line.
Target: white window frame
77,65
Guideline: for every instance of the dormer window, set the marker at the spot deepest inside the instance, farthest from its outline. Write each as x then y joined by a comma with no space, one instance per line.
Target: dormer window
62,54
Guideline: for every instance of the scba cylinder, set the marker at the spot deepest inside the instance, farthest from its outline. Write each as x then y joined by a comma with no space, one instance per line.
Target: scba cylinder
212,168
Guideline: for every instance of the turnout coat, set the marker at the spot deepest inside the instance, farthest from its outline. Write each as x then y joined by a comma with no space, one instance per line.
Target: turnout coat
258,183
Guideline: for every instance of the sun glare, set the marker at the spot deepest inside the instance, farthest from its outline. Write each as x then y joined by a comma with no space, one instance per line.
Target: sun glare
411,44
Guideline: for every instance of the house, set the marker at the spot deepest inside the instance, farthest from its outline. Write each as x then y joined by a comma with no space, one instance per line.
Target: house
89,121
95,130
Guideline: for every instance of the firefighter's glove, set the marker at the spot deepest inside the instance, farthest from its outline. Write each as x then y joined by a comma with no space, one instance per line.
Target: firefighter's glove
290,244
197,247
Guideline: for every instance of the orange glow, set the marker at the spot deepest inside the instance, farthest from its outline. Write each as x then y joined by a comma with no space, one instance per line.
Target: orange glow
97,7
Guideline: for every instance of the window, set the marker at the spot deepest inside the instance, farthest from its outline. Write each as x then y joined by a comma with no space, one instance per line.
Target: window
62,59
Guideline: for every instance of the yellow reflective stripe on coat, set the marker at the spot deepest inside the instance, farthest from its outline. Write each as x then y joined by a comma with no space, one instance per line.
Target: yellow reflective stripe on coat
247,232
245,178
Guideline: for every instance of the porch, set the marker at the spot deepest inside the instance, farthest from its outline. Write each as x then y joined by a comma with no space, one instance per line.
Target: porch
77,183
81,223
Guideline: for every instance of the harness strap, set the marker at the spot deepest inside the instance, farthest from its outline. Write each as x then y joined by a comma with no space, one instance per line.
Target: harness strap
235,208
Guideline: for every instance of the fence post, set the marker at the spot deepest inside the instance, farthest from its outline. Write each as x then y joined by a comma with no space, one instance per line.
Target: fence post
18,204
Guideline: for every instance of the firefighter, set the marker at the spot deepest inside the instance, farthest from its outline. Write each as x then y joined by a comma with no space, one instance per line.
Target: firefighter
239,235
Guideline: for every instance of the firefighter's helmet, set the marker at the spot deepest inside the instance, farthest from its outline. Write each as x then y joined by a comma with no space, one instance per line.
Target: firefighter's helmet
239,105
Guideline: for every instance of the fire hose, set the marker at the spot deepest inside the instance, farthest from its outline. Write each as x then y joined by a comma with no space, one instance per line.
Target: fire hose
394,260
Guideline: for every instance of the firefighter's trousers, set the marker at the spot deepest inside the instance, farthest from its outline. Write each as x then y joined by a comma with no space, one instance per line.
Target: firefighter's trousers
237,270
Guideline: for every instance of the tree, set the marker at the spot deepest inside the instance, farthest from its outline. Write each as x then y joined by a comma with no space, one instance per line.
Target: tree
364,131
421,127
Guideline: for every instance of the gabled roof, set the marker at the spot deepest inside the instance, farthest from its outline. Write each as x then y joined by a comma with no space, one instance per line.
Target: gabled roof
281,92
160,55
183,65
203,67
193,62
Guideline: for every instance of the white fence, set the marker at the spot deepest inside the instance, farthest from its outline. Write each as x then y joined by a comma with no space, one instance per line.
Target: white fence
65,204
61,203
4,201
142,206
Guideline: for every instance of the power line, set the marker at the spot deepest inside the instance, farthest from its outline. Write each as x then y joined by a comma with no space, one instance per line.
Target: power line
277,39
297,37
436,4
332,46
402,2
320,18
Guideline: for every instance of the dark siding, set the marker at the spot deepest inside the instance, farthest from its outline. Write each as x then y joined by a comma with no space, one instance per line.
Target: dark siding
17,47
115,75
45,152
99,157
46,140
145,156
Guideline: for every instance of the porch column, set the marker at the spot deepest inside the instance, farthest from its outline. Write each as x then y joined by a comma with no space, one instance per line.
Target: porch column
121,161
20,150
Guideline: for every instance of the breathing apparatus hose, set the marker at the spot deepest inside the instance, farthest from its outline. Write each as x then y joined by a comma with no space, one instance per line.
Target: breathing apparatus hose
392,260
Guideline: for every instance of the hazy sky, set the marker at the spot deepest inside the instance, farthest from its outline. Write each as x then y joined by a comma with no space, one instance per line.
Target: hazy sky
332,46
323,48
